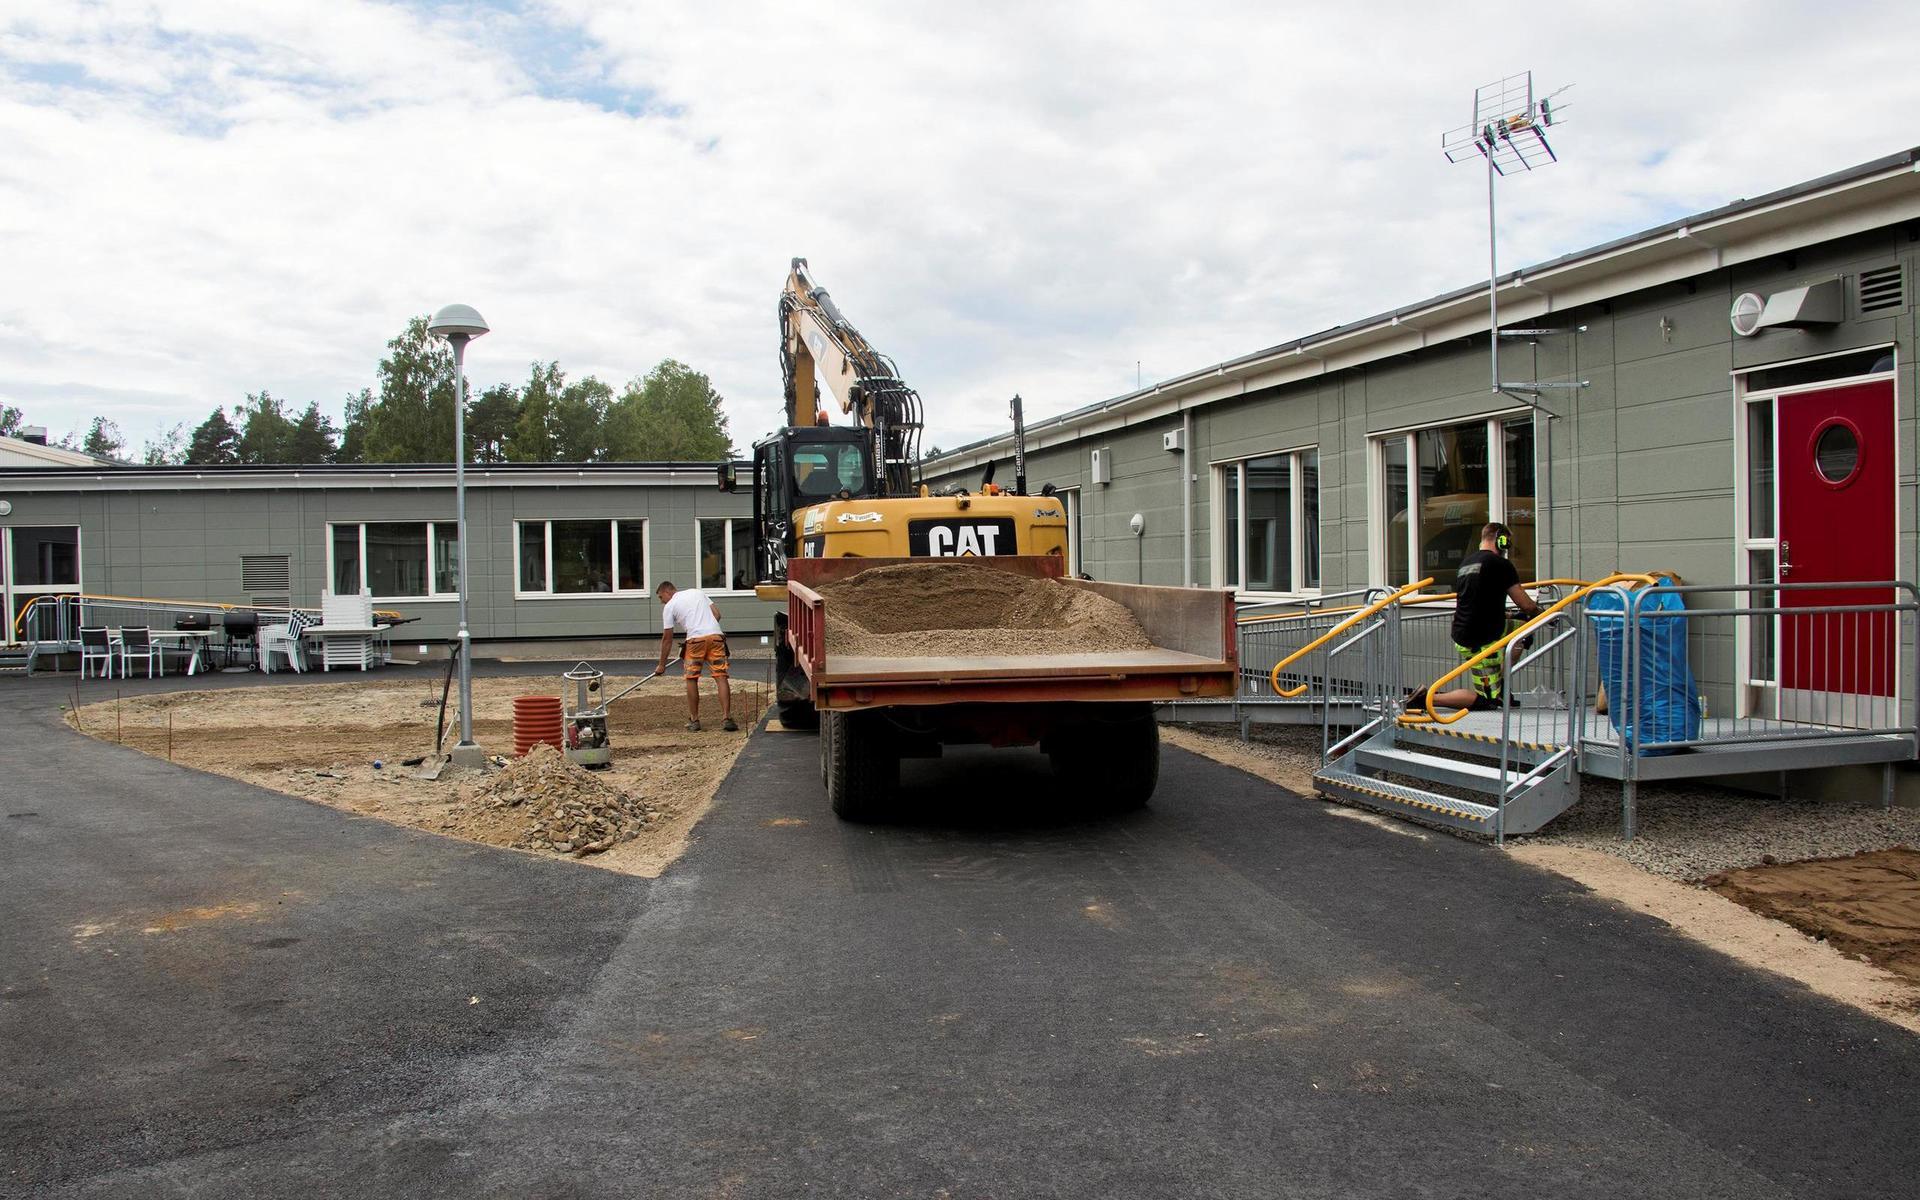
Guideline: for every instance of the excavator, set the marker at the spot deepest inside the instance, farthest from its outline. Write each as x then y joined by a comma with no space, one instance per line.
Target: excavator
852,490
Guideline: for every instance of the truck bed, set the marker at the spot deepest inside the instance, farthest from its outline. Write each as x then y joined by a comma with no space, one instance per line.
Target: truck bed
1193,652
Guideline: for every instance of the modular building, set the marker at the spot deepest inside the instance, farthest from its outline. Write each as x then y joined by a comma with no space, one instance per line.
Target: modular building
558,552
1728,398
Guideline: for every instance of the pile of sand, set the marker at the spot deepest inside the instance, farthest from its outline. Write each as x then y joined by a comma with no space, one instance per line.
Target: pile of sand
544,802
913,610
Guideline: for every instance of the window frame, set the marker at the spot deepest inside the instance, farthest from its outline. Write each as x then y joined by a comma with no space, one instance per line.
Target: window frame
433,595
1296,522
727,571
613,532
1378,519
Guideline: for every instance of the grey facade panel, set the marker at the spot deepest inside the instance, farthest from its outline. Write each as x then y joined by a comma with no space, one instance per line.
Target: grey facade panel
186,543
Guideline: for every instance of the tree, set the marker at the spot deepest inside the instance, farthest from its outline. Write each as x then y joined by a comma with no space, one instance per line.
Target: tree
580,421
490,423
264,429
10,420
103,440
215,442
411,421
534,439
310,439
672,415
353,435
170,449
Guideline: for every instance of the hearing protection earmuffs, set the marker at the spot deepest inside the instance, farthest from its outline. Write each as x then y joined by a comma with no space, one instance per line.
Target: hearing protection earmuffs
1503,542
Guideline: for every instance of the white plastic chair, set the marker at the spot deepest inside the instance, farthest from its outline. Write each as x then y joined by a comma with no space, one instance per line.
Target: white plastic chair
285,640
136,641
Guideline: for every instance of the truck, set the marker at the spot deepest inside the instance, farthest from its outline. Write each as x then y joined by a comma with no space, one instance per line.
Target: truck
831,501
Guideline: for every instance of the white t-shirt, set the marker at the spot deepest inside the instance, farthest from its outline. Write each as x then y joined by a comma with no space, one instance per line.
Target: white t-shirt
691,612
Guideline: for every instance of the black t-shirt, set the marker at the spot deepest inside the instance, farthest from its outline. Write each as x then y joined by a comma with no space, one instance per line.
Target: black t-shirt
1480,613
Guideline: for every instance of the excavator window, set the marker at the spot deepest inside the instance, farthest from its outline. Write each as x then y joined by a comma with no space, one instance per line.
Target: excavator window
823,470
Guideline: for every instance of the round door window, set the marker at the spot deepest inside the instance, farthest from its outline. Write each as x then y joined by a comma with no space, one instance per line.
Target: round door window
1836,453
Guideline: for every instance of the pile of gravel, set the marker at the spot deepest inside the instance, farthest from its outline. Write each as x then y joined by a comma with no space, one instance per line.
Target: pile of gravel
1688,830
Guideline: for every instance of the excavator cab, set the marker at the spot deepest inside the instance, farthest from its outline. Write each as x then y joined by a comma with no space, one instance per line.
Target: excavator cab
794,470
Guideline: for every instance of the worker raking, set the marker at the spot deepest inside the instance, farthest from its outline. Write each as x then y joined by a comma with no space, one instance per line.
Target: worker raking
698,617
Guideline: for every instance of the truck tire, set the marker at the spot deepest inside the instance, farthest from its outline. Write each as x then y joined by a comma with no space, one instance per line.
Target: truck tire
1114,761
798,714
826,748
862,769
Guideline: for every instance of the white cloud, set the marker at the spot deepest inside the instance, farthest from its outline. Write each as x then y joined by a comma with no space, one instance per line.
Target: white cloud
204,199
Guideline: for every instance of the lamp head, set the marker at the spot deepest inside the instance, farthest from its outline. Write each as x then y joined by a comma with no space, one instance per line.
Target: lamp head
457,321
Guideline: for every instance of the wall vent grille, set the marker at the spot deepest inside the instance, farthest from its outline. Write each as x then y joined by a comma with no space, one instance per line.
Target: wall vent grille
270,573
1882,288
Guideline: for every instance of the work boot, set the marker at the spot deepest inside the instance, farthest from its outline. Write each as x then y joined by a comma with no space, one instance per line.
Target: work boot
729,726
693,726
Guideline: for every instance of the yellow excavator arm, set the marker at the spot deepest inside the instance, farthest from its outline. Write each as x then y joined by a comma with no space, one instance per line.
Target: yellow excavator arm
819,345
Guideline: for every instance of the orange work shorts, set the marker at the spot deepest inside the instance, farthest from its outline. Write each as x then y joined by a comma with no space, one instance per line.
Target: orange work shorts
709,650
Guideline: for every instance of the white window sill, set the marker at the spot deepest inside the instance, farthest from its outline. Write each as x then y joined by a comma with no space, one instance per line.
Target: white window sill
583,595
442,599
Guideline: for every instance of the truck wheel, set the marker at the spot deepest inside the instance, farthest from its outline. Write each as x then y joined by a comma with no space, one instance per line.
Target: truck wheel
1115,761
798,714
826,748
862,768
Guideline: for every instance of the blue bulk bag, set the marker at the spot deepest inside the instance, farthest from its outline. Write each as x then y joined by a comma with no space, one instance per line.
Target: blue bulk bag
1667,708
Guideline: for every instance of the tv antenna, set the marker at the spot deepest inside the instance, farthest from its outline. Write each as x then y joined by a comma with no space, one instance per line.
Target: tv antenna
1509,134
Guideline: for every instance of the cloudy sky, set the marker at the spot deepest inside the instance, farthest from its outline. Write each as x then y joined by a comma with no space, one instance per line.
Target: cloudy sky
203,199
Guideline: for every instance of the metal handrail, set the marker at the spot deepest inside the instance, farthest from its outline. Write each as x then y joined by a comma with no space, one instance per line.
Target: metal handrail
1524,629
1384,602
20,619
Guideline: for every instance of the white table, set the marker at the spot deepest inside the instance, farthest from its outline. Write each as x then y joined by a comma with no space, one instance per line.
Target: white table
193,641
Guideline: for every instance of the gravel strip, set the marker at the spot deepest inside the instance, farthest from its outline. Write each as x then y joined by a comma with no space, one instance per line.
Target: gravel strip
1688,830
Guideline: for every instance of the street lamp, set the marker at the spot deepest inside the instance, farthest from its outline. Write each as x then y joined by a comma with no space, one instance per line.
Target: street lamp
460,324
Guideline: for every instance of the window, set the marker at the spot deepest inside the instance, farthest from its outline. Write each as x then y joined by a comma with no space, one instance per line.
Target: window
401,560
825,469
45,556
579,558
726,554
1270,522
1439,486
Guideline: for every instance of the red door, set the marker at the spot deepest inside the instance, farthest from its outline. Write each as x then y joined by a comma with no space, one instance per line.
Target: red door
1836,472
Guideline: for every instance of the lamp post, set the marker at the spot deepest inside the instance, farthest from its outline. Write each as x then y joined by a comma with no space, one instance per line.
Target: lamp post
460,324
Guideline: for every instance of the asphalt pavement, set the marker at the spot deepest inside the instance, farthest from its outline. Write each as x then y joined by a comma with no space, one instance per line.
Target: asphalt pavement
207,989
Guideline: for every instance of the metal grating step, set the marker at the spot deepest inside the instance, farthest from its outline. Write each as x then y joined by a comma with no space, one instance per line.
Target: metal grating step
1477,775
1399,797
1471,741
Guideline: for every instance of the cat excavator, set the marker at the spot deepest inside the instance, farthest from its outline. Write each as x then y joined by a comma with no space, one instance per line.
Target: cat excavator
853,490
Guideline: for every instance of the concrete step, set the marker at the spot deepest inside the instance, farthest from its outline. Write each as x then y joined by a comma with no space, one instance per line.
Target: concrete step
1404,800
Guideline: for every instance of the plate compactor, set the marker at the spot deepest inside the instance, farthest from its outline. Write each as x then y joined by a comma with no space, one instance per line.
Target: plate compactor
584,714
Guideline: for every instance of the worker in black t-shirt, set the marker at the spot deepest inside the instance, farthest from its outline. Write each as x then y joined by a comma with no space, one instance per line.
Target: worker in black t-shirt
1482,587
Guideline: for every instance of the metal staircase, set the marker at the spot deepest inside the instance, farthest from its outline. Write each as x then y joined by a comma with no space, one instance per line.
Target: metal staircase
1493,779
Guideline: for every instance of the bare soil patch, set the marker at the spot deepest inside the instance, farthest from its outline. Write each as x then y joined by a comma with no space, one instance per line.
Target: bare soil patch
917,610
1866,905
321,741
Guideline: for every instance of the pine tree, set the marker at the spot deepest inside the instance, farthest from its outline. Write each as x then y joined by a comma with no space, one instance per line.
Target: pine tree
215,442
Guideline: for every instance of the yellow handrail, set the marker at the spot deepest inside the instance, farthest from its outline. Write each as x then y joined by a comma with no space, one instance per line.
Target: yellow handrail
1499,646
20,620
1323,639
1435,598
